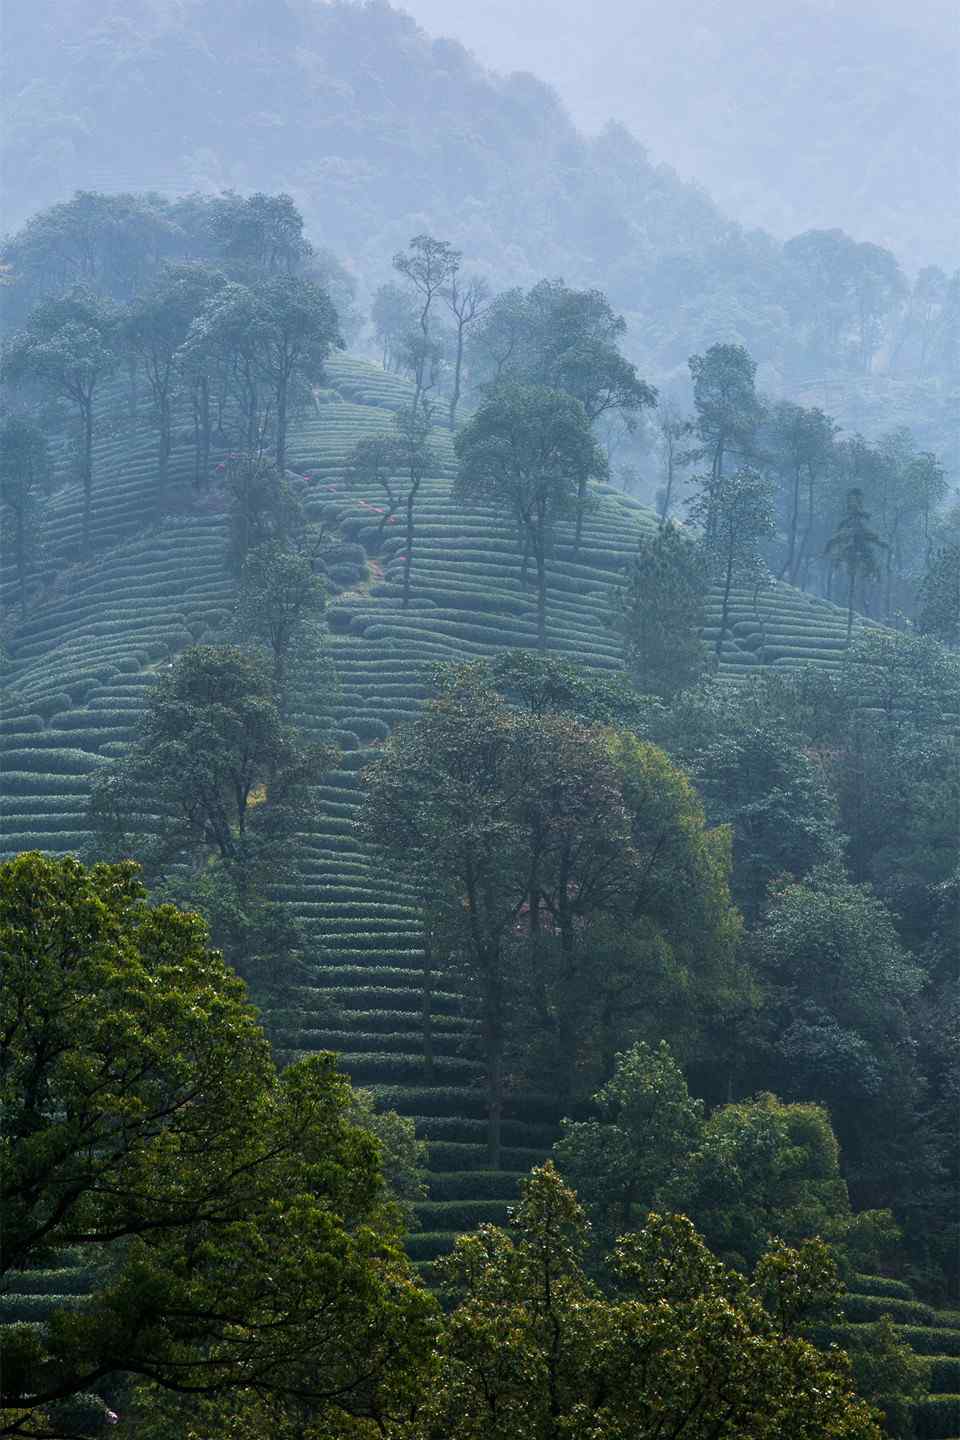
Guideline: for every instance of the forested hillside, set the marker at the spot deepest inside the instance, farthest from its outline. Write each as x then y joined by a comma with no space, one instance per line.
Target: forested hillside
614,839
379,132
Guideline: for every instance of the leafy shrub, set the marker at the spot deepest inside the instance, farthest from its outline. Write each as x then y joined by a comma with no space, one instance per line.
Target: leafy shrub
36,1307
866,1308
50,1282
474,1185
368,727
66,762
387,1069
937,1417
21,724
931,1340
943,1374
880,1285
460,1214
30,782
49,705
427,1246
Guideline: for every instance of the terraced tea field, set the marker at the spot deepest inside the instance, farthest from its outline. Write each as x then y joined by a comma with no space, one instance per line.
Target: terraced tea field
94,641
91,646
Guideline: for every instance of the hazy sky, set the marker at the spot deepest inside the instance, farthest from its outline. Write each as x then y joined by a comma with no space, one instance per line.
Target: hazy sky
792,113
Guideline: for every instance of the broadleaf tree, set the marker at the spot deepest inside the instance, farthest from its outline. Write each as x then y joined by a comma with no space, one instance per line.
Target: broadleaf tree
69,347
238,1235
530,451
24,477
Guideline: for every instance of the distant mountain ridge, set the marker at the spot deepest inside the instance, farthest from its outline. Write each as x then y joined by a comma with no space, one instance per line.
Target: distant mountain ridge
372,126
380,132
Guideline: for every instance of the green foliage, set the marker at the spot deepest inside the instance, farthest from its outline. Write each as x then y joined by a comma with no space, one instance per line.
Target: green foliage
854,547
560,339
402,1156
215,767
281,601
67,348
559,826
728,408
766,1171
936,1417
263,507
940,595
532,1349
529,450
750,1174
24,477
660,611
624,1163
258,1249
735,513
840,1023
154,330
543,683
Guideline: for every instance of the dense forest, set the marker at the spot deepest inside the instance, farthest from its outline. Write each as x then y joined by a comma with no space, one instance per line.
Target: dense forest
481,790
380,133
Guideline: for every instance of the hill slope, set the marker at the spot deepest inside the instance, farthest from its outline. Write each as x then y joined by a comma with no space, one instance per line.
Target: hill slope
87,654
84,659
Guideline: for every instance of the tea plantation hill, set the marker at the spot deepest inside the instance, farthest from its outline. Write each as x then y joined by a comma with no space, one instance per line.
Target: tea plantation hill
84,658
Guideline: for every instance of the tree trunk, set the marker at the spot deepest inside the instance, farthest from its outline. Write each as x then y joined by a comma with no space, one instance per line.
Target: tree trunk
281,450
789,563
725,610
87,471
524,555
426,1010
566,1019
581,502
541,593
280,677
668,490
206,427
408,555
163,457
21,544
457,369
850,595
132,392
493,1049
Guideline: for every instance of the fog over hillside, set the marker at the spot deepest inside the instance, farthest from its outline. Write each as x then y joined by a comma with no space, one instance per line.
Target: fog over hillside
379,129
793,115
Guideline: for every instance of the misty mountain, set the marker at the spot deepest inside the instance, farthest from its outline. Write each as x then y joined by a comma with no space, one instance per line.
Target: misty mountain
380,132
795,114
375,129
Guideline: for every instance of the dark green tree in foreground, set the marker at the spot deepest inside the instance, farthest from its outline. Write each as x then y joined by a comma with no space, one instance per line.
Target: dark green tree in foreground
523,830
843,987
660,611
24,475
529,451
532,1350
752,1174
238,1235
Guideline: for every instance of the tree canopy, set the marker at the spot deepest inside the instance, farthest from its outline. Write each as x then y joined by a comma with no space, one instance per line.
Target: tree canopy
238,1230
